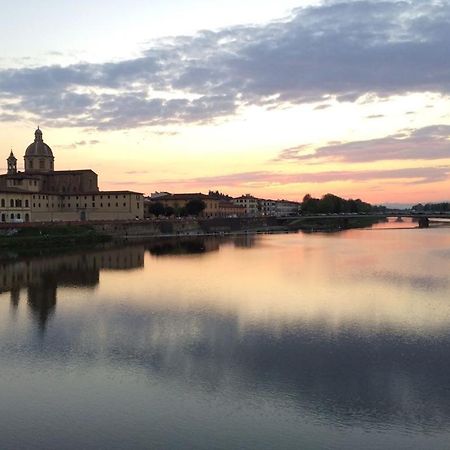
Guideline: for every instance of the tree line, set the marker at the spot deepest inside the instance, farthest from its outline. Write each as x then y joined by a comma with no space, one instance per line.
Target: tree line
441,207
332,204
193,207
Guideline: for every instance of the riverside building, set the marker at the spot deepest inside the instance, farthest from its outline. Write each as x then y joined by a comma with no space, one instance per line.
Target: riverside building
43,194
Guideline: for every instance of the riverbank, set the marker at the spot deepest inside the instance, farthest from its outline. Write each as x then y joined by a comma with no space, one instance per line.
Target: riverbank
49,237
334,224
41,237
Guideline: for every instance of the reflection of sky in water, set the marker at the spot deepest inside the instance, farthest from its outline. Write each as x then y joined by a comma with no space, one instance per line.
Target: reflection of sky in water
286,341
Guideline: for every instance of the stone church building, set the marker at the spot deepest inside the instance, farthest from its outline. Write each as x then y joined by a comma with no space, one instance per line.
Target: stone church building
43,194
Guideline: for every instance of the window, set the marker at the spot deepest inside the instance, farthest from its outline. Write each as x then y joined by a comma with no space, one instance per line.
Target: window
3,217
93,204
117,205
30,163
11,203
41,164
12,216
3,202
27,204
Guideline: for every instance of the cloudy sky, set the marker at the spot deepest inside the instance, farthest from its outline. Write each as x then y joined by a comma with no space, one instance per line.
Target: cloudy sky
278,99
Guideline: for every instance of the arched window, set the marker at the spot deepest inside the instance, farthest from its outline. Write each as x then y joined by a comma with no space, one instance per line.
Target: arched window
27,217
12,216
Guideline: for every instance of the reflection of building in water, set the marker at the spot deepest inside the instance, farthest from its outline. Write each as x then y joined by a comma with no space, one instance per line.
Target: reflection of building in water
183,246
71,269
43,276
198,245
245,240
42,298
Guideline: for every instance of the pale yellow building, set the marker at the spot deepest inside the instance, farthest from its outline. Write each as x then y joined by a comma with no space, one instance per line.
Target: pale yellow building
41,194
214,206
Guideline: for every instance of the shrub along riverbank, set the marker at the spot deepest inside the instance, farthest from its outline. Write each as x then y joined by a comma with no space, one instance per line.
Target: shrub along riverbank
335,224
50,237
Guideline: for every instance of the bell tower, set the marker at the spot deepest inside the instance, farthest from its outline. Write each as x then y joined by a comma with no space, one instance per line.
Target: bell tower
12,164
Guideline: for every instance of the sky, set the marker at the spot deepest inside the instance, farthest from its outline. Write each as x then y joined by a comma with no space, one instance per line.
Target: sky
277,99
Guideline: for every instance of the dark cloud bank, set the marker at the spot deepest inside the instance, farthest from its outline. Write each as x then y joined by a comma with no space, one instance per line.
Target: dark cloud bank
339,49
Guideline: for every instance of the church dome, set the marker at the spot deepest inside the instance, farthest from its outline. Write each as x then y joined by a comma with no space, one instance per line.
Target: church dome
38,147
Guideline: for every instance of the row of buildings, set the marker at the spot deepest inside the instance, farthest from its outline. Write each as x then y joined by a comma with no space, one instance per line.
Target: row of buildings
42,194
217,205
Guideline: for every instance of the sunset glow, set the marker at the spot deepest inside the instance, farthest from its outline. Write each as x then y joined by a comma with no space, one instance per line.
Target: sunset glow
283,99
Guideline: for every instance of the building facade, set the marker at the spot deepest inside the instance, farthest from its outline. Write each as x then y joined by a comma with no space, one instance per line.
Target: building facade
260,207
42,194
214,206
250,205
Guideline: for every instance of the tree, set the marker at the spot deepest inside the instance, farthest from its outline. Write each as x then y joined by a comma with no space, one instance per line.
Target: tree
169,211
194,207
156,208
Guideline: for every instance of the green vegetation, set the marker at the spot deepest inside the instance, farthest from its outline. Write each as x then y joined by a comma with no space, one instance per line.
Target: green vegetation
332,204
193,207
157,209
333,224
30,239
435,207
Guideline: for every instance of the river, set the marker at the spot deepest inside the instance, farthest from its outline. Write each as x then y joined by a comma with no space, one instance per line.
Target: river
288,341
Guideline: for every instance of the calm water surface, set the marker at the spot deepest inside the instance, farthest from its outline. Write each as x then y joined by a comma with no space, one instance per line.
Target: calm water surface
318,341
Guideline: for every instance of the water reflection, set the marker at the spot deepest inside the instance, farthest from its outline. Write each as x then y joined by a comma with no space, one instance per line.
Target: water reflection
198,245
42,276
252,321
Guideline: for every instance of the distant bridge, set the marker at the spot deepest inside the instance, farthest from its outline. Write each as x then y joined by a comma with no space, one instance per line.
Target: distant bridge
423,219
